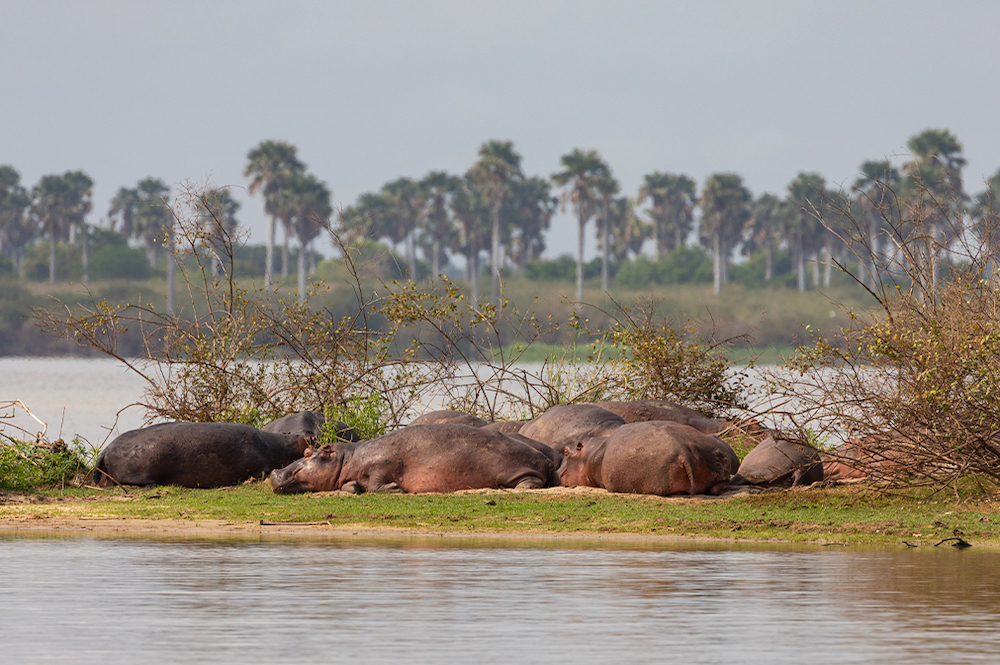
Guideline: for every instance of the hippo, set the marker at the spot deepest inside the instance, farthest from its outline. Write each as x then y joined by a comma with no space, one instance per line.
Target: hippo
657,457
646,410
506,426
196,455
565,425
309,423
779,462
420,458
448,416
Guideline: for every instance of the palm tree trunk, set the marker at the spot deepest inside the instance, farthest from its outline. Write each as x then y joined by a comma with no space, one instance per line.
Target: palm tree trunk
284,252
579,260
52,257
86,252
828,260
411,254
717,264
768,262
302,271
269,253
435,259
496,260
474,274
604,252
815,260
171,265
800,265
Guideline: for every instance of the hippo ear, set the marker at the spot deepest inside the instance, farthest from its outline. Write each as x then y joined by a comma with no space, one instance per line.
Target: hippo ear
307,452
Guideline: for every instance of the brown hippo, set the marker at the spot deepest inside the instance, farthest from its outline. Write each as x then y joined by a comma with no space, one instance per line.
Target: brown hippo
506,426
645,410
449,417
420,458
566,425
780,462
196,455
309,423
656,457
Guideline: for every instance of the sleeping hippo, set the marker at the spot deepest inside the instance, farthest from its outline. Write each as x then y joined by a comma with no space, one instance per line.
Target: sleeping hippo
196,455
448,416
566,425
309,423
505,426
656,457
777,461
420,458
645,410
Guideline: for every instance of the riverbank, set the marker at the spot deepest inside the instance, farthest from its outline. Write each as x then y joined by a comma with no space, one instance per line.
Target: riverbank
846,515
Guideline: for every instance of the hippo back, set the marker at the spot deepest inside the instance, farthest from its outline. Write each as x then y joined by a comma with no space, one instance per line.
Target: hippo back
780,462
195,455
449,417
566,425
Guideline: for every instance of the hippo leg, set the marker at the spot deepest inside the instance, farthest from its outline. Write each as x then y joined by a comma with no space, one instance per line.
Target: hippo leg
353,486
530,483
390,488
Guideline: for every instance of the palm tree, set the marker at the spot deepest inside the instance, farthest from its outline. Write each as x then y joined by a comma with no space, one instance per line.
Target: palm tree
218,210
582,171
628,232
472,211
269,165
607,187
439,190
934,191
528,209
16,231
57,203
673,199
876,196
152,218
801,227
406,198
308,200
762,229
725,207
497,167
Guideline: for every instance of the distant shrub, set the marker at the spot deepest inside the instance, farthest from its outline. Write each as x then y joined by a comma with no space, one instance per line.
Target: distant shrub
750,273
564,269
684,265
118,262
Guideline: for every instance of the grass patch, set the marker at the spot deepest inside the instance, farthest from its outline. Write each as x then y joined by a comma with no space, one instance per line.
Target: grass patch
843,514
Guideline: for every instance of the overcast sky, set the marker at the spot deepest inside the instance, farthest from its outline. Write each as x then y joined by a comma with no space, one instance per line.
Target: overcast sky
370,91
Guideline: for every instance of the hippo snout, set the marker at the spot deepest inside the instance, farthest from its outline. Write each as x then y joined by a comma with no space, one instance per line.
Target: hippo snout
279,480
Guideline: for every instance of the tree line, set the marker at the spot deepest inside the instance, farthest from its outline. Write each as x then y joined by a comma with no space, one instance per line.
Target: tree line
495,209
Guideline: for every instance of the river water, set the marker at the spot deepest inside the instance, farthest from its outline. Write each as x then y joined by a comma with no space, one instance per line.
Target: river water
444,600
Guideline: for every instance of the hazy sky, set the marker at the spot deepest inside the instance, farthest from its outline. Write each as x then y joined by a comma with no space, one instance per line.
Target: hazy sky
370,91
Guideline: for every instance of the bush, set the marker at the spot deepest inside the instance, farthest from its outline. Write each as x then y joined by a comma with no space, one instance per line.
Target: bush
682,266
563,269
118,262
25,465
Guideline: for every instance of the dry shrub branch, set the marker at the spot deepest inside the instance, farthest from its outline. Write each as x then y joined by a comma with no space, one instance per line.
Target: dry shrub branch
914,382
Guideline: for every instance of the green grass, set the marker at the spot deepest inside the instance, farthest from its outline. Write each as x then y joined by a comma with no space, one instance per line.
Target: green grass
843,515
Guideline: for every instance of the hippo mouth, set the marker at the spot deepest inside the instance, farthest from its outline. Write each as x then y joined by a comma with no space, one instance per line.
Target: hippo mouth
283,481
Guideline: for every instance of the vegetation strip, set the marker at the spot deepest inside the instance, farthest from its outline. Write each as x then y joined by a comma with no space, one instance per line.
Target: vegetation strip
849,515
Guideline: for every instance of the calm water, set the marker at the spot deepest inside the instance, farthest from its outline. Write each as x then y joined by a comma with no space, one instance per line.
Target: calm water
427,600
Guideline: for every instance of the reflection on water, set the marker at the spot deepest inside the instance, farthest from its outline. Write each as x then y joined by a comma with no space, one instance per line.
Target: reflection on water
446,601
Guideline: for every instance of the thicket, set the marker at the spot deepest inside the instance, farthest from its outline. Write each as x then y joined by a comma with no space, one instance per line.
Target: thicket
913,382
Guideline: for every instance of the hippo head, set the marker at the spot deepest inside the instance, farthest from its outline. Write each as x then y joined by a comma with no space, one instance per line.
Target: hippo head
579,460
318,471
